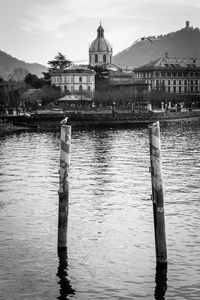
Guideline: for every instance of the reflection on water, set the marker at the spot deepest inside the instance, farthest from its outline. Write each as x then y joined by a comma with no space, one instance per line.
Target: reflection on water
111,246
65,286
161,282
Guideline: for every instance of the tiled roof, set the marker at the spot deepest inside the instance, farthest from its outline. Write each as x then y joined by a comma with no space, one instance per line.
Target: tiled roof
172,63
74,98
74,69
150,65
178,62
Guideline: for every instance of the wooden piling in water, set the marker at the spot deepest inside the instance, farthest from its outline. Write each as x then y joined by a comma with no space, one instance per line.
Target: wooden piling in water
64,186
157,193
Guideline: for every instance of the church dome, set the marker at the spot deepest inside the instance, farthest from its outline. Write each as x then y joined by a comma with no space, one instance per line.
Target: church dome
100,44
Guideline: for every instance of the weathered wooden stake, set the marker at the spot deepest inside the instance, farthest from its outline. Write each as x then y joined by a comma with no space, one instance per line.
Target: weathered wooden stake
64,186
157,193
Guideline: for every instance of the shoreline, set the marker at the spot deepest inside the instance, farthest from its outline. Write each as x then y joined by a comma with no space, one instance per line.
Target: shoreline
95,119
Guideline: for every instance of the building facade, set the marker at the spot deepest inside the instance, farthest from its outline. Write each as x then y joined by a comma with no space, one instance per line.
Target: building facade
100,50
74,79
172,75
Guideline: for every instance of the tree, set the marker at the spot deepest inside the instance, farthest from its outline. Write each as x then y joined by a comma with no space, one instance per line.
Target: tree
34,81
47,78
50,94
59,62
3,94
18,74
101,77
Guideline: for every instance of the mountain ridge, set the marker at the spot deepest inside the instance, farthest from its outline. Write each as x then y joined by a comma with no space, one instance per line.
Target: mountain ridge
8,63
184,43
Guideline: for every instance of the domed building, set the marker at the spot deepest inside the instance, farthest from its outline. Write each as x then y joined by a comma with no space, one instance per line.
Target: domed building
100,51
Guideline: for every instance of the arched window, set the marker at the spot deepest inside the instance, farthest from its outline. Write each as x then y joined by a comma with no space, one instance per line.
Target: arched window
96,58
104,58
80,88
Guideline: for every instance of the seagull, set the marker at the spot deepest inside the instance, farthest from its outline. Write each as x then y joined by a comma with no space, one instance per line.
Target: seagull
64,121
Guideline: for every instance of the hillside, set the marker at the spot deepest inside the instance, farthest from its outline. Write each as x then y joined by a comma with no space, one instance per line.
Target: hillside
182,43
9,63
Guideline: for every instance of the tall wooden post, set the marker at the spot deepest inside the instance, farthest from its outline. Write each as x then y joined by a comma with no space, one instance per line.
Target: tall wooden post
64,186
157,193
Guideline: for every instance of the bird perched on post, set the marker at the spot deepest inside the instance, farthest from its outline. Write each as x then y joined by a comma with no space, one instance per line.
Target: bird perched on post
64,121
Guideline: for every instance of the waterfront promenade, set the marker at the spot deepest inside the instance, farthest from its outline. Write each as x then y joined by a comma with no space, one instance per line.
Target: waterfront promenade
97,118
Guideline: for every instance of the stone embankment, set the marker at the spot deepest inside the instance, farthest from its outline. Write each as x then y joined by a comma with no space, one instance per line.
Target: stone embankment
95,118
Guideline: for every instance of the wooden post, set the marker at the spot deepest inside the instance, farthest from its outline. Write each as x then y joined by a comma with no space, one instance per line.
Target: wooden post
157,193
64,187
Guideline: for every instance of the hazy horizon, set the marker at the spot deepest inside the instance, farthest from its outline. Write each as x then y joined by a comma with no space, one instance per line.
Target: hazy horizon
36,31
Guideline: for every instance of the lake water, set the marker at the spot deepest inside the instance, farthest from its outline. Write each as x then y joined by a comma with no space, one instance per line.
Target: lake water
111,252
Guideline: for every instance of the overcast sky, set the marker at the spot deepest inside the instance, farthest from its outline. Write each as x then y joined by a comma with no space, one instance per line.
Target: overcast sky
36,30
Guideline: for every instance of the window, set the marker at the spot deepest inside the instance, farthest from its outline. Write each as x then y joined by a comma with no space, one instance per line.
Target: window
185,82
179,89
80,88
168,82
88,88
104,58
96,58
80,79
174,89
169,89
174,82
179,82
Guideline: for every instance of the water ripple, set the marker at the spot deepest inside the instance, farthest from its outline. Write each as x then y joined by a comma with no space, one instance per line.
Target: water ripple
111,253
